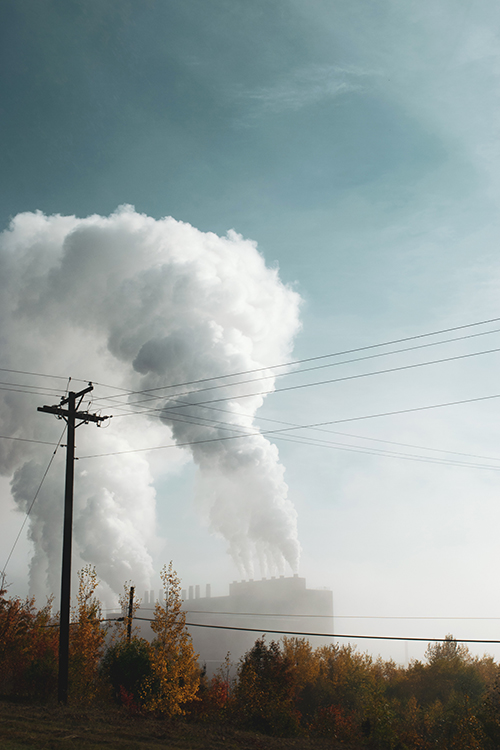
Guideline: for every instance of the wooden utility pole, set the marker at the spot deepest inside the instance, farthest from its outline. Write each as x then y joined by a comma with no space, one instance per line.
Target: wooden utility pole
70,415
130,614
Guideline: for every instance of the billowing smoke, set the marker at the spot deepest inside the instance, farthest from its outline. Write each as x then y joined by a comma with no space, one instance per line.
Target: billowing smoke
143,305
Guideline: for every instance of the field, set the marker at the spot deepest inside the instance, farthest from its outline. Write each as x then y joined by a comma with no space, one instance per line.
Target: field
60,728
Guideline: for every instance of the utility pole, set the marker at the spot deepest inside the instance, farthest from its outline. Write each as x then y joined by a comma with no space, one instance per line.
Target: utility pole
70,415
130,614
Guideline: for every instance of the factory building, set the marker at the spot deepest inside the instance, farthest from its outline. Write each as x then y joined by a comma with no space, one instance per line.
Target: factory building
281,604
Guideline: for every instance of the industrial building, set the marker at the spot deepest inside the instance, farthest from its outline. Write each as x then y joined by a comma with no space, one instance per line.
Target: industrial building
280,604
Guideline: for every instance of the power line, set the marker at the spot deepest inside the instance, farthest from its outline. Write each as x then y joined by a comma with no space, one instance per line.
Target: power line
322,356
306,385
212,422
330,635
40,392
290,427
404,445
227,385
322,443
27,440
327,444
292,363
28,385
359,375
328,617
409,617
364,437
216,424
236,397
342,635
309,426
2,574
193,420
45,375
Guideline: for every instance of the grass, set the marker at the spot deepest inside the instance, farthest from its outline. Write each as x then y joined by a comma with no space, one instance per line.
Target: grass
28,727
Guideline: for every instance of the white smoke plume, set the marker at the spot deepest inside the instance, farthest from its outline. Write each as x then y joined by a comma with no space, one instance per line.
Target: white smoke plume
140,304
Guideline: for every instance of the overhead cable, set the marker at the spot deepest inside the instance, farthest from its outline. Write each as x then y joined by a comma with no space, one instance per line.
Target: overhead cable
322,356
300,386
283,364
350,636
364,437
26,440
327,617
323,443
46,375
276,433
2,574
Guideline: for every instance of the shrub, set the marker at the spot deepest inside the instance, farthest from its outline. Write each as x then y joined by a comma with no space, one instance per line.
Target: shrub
125,666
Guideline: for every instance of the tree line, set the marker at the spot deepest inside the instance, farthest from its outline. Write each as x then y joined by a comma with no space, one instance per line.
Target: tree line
449,701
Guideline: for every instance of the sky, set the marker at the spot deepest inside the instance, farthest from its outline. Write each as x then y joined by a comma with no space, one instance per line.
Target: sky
332,174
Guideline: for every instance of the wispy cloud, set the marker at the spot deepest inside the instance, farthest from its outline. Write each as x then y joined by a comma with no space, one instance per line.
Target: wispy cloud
304,87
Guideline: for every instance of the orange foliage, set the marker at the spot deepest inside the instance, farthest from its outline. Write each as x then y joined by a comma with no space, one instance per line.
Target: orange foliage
28,648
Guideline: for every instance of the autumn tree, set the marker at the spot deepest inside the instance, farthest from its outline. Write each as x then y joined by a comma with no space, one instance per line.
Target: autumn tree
305,666
346,677
215,695
28,648
490,710
441,702
175,675
265,690
450,669
302,658
87,637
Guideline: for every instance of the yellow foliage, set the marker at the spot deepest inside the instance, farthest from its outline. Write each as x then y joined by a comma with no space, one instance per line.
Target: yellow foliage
87,636
303,659
175,674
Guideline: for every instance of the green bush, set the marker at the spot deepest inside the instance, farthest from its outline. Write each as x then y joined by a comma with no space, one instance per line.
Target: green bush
125,666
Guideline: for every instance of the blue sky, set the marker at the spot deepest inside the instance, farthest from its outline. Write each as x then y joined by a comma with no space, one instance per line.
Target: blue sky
277,120
357,144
